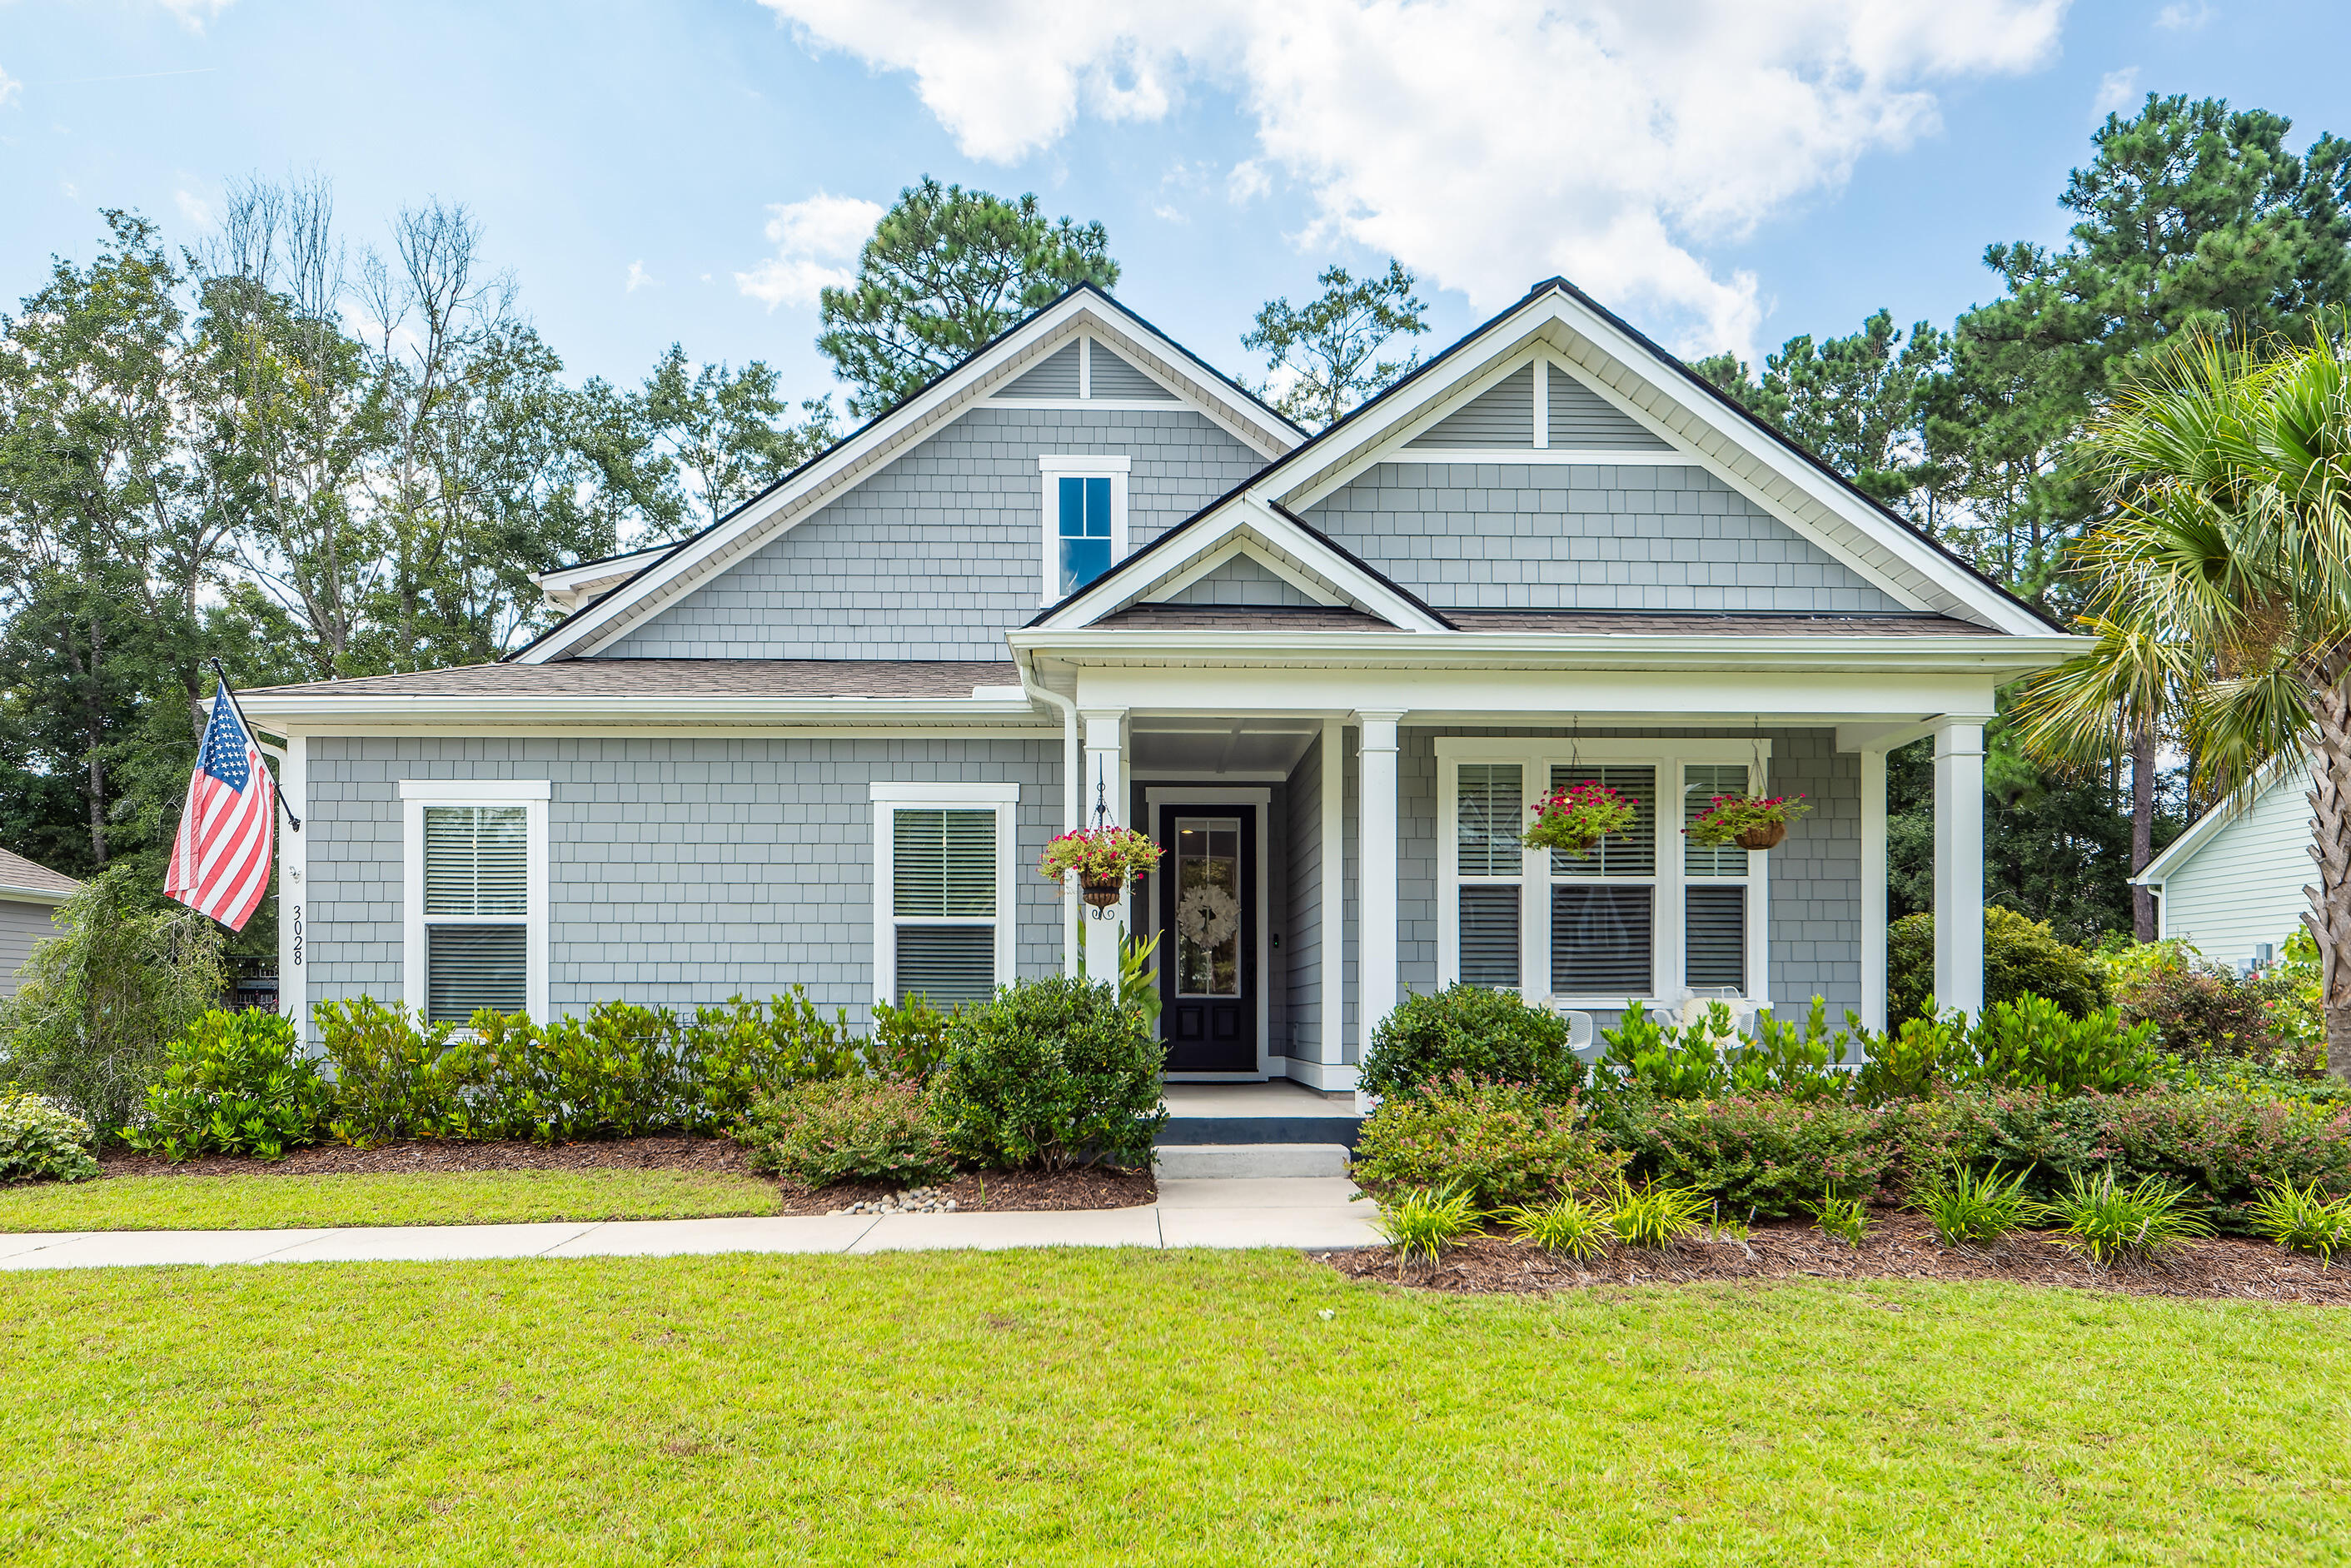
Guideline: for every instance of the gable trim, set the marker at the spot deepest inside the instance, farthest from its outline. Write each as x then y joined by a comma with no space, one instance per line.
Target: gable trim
1242,547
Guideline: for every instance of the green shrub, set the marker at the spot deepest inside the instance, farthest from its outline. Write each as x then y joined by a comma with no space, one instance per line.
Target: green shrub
2031,1043
1922,1053
1422,1222
40,1140
97,1003
2111,1224
392,1079
235,1083
1487,1034
730,1055
2021,956
1759,1156
1502,1144
1967,1209
1709,1059
2202,1011
1654,1215
1567,1225
1642,1055
2303,1219
846,1129
908,1042
1052,1072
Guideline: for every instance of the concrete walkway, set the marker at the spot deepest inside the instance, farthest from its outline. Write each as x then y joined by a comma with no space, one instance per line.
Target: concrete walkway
1307,1213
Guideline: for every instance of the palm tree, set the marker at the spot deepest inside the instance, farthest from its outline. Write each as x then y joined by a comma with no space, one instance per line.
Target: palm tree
2228,548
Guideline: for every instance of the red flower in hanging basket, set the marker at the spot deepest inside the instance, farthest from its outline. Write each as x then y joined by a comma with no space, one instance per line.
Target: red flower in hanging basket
1571,820
1105,859
1750,821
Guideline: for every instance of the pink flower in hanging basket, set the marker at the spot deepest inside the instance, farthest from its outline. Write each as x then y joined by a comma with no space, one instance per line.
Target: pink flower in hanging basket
1105,859
1751,822
1571,820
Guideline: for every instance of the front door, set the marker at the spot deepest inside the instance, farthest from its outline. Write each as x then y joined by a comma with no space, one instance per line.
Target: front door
1207,949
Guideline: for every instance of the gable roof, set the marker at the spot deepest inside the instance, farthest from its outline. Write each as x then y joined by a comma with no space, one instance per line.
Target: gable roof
676,571
2278,773
31,882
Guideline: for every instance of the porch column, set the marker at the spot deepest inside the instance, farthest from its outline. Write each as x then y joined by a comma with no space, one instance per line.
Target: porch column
1105,738
1377,950
1872,889
1959,865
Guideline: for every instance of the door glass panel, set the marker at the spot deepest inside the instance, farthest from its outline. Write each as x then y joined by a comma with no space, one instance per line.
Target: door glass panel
1207,907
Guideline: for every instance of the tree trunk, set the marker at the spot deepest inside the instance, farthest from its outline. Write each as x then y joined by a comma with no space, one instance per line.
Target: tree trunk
2329,919
2142,830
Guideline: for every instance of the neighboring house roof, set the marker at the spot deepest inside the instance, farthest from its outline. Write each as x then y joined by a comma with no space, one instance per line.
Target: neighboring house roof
666,678
2284,773
674,572
31,882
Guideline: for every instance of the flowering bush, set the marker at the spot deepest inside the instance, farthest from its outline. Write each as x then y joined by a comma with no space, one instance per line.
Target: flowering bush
1100,854
1500,1145
1765,1154
40,1140
846,1129
1741,817
1571,820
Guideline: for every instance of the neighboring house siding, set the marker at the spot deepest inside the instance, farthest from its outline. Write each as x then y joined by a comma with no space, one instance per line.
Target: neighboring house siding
1814,891
2243,886
1509,536
1240,580
21,925
1299,960
681,870
936,554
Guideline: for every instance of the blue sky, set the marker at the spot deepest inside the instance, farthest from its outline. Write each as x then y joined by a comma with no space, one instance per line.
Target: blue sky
1725,173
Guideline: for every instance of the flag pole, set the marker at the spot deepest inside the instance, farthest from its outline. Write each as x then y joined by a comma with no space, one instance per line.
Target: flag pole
255,737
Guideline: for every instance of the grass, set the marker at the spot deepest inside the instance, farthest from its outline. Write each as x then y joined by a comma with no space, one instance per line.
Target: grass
472,1197
1083,1406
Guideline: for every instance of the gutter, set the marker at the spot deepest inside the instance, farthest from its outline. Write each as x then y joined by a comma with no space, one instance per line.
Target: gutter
646,710
1477,650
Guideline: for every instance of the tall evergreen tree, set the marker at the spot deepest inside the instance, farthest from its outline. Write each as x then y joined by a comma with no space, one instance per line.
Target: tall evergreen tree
1322,354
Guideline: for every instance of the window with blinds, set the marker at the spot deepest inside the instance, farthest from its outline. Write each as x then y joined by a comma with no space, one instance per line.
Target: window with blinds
1634,852
1604,902
1701,785
943,902
476,903
1490,812
1714,910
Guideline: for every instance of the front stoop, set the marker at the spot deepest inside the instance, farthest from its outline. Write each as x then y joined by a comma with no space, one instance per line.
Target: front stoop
1229,1162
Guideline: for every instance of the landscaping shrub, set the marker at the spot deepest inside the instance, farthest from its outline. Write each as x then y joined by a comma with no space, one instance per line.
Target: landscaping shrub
1567,1225
40,1140
1504,1144
1968,1209
1913,1060
731,1055
235,1083
2112,1224
2202,1010
2031,1043
1052,1072
2021,956
1761,1155
1485,1033
846,1129
908,1042
1654,1215
392,1079
2303,1219
1422,1222
1709,1059
98,1001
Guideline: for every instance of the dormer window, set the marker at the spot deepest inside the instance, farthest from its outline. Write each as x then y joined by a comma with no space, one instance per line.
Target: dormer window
1085,520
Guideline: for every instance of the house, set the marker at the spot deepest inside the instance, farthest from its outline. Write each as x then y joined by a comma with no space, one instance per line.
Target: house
29,895
1084,577
2231,884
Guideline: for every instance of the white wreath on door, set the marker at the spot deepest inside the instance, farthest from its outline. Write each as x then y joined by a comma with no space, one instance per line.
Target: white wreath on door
1207,916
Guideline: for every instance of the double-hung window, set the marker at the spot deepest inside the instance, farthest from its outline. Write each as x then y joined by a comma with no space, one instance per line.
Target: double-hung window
474,896
1085,519
1644,915
942,898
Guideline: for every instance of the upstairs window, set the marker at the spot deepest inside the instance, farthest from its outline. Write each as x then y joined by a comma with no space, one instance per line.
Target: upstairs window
1085,520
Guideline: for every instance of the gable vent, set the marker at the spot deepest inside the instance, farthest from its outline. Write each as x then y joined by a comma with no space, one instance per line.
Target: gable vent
1114,377
1057,377
1581,417
1503,415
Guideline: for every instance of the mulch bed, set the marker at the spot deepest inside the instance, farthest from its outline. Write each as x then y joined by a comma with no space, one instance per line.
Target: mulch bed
1897,1247
974,1192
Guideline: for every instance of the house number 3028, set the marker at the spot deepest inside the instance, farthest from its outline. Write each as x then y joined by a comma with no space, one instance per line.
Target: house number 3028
297,927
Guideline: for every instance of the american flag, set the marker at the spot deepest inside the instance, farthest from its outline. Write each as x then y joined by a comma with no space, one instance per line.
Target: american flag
220,861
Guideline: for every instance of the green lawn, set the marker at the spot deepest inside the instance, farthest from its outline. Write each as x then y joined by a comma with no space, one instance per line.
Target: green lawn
1131,1407
473,1198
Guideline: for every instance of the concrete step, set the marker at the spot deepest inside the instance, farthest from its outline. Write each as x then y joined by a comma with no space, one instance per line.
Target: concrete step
1227,1162
1192,1128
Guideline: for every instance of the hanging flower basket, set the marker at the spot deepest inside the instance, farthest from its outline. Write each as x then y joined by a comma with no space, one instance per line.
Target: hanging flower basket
1750,821
1571,820
1105,859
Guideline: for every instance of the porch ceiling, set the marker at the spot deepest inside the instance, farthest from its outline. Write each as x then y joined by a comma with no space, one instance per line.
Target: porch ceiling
1202,744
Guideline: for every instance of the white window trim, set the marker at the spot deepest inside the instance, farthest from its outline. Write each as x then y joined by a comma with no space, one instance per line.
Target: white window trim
1055,466
1538,756
1004,799
532,794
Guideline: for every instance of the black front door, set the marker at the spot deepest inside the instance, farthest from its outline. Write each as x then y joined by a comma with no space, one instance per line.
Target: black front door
1207,949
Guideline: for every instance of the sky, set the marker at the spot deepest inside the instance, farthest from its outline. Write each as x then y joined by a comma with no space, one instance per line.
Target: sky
1726,173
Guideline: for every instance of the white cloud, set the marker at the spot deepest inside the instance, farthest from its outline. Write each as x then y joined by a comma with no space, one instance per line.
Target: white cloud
195,13
9,87
2117,90
640,279
815,242
1169,214
1247,183
1484,142
193,208
2181,17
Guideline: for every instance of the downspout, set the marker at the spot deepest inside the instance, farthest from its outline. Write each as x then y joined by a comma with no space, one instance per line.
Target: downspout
1071,784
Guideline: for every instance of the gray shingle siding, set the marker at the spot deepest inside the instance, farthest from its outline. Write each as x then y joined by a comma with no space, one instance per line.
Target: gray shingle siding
1582,417
681,870
1502,415
1110,376
1240,580
938,553
1509,536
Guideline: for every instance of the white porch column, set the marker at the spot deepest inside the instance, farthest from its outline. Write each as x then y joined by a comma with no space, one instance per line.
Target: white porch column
293,889
1105,738
1332,923
1959,865
1872,889
1377,950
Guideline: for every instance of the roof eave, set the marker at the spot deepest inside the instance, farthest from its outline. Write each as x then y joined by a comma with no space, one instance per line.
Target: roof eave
637,710
1993,654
